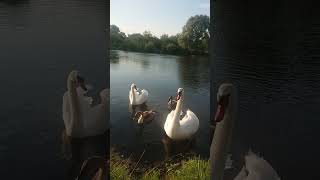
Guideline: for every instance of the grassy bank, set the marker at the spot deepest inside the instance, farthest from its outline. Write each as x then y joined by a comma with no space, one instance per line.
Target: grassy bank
184,169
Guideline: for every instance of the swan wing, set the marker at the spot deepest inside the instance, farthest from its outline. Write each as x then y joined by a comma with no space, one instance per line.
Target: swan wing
89,100
259,168
142,96
242,175
96,120
85,103
189,123
80,91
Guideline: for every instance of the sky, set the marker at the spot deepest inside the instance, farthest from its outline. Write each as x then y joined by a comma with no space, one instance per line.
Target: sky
158,16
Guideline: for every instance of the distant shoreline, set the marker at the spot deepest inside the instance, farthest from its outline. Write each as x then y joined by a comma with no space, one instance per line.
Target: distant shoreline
160,53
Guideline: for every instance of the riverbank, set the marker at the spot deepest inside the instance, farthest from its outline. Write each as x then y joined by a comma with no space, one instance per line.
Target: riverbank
178,167
182,53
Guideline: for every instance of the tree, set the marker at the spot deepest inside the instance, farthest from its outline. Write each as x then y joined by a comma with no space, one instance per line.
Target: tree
116,37
149,47
193,39
135,42
195,34
172,48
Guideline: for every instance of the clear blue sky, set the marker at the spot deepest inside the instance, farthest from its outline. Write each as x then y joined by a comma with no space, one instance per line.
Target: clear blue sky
157,16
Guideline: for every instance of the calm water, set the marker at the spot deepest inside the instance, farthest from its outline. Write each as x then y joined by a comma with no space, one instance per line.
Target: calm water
161,75
41,41
278,81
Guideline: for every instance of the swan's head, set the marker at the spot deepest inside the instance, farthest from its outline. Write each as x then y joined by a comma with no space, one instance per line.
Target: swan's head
179,93
76,79
133,86
225,93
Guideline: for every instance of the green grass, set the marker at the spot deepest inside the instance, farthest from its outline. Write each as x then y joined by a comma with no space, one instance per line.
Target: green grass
153,174
188,169
119,169
193,168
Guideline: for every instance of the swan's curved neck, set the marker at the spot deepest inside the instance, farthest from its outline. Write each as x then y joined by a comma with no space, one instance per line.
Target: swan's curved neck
74,105
177,112
222,140
133,94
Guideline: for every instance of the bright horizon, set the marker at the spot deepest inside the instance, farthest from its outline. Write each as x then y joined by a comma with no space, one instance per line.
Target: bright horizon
159,17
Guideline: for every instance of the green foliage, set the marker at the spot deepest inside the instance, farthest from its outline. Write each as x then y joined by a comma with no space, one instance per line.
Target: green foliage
119,169
191,169
195,34
194,39
117,37
153,174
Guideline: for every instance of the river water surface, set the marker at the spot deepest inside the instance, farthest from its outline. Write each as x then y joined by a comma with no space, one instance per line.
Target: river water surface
41,42
161,75
278,82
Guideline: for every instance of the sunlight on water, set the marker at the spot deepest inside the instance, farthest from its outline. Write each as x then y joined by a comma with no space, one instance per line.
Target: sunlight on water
161,75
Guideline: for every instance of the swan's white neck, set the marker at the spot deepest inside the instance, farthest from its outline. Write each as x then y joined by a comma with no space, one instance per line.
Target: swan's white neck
74,105
133,94
222,140
177,112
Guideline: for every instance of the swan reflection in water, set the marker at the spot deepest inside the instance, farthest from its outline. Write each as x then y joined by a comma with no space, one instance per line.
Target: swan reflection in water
86,157
174,147
135,108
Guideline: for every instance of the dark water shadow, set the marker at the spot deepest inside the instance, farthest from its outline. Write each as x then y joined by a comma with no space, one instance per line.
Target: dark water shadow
79,150
114,57
145,63
195,76
173,147
135,108
15,2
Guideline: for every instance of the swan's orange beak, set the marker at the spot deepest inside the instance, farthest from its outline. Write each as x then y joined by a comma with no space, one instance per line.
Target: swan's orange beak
221,109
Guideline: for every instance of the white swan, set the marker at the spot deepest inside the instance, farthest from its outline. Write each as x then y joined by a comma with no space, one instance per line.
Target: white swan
178,129
137,97
80,118
255,168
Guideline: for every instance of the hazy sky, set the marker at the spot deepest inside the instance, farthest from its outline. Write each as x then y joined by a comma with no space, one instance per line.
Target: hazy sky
157,16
